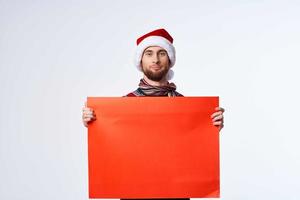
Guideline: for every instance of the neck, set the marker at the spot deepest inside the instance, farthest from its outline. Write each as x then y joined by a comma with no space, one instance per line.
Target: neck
162,82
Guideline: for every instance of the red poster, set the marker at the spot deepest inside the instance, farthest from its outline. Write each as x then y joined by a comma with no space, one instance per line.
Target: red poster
153,147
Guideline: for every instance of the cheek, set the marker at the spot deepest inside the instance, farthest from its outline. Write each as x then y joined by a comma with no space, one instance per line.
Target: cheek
145,60
165,60
144,64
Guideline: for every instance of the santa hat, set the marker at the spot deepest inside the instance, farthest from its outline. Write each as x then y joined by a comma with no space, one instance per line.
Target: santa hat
159,37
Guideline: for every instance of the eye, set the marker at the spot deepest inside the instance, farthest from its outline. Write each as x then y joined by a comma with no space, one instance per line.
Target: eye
162,53
148,53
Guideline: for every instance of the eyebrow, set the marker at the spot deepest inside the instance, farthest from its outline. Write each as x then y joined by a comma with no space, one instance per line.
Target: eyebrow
161,50
148,51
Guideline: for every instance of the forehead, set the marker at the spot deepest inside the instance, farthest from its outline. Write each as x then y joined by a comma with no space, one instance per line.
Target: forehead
154,48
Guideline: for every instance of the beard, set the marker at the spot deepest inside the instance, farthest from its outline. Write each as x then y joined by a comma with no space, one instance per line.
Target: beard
155,76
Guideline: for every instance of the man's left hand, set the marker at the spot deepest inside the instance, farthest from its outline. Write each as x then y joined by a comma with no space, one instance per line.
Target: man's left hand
218,118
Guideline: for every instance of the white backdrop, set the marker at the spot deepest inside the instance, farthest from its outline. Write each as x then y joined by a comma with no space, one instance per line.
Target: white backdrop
53,54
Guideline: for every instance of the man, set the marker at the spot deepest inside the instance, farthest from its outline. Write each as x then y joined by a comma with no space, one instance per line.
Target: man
155,56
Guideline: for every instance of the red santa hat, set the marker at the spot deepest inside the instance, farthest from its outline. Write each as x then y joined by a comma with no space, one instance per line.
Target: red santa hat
159,37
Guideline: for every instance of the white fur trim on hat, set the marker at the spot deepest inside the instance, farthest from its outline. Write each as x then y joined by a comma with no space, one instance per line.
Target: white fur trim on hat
154,41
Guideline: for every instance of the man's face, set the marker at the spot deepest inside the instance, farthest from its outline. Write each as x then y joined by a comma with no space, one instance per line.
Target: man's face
155,63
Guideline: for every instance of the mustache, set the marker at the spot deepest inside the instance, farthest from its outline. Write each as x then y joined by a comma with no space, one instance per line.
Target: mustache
155,65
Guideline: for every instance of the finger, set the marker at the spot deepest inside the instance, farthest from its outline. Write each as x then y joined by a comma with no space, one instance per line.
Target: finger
91,110
218,123
220,109
218,117
89,116
216,114
220,127
91,113
86,108
88,112
88,119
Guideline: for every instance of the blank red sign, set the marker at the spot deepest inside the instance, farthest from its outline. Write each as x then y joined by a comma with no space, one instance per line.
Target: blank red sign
153,147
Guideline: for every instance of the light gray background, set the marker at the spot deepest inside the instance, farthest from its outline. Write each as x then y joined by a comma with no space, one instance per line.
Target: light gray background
53,54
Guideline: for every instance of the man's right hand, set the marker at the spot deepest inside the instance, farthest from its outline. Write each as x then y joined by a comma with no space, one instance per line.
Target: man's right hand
88,115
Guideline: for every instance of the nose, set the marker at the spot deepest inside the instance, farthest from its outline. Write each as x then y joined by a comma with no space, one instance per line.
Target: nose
155,59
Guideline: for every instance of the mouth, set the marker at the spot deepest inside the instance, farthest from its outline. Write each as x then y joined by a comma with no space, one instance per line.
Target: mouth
155,67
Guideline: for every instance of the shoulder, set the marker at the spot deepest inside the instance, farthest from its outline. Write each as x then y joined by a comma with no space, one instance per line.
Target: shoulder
136,93
178,94
131,94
